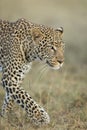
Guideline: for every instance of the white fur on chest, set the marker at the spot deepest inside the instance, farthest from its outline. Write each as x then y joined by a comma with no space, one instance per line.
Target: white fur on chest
25,69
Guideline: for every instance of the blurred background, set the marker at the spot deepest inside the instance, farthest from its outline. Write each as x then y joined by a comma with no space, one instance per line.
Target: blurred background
69,85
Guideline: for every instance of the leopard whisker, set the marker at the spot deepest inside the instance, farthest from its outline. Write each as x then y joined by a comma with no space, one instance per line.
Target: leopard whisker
43,71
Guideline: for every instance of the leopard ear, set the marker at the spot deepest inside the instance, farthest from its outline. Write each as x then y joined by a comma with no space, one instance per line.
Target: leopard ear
37,34
59,31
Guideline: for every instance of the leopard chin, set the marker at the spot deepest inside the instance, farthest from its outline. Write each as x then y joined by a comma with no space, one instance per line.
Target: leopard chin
55,67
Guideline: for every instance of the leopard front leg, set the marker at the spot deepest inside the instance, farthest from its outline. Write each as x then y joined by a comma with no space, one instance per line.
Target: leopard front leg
35,112
7,105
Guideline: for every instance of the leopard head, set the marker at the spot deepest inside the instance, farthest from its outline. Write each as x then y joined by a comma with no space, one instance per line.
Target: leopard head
49,46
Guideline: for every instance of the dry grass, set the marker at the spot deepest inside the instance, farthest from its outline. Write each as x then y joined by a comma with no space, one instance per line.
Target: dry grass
63,95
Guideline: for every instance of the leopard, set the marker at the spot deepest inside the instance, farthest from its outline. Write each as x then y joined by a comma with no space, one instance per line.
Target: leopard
21,43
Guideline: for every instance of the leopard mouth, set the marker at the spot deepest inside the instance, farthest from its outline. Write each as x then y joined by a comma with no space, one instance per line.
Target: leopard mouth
57,66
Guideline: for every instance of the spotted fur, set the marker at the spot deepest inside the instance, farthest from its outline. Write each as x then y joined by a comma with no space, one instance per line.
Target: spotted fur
21,43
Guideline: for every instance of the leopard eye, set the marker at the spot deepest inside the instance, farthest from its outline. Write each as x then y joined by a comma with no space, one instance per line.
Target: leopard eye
53,48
